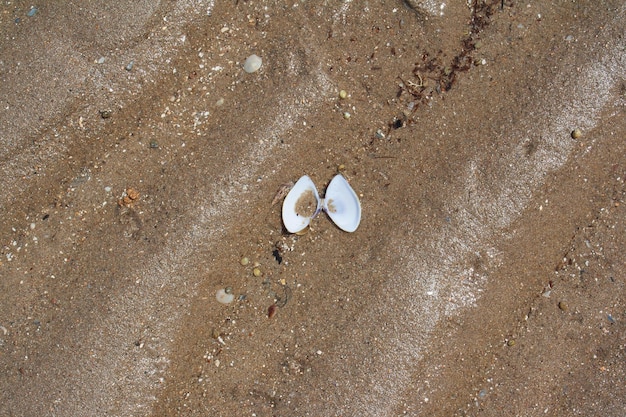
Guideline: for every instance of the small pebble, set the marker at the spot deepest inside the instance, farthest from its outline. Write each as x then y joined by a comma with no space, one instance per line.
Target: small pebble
271,311
252,64
346,115
511,342
576,133
257,272
225,295
154,144
563,305
129,67
105,114
101,60
244,261
32,12
343,94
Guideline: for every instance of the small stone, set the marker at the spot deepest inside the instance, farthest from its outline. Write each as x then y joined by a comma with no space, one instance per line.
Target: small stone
257,272
576,133
511,342
271,311
563,306
154,144
343,94
129,67
129,198
32,12
105,114
346,115
252,64
244,261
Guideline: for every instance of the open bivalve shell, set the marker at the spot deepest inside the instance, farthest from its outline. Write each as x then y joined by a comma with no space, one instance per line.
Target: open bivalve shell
342,204
303,203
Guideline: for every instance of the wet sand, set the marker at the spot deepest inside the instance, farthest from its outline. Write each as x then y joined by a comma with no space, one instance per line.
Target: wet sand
141,162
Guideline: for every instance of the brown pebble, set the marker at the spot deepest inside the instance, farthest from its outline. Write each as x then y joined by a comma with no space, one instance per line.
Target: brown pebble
576,133
563,305
129,198
511,342
271,310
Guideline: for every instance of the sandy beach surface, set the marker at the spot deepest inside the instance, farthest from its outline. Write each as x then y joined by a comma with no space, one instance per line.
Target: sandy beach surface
486,141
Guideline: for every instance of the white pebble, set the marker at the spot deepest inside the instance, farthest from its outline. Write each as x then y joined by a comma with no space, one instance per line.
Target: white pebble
224,297
252,64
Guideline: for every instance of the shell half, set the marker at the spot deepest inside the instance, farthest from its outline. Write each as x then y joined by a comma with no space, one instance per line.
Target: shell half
301,205
342,204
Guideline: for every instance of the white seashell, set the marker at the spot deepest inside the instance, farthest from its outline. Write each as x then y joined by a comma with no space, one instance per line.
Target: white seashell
225,295
252,64
303,203
342,204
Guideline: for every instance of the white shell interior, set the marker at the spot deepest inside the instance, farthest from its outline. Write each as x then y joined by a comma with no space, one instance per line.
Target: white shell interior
293,221
342,204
